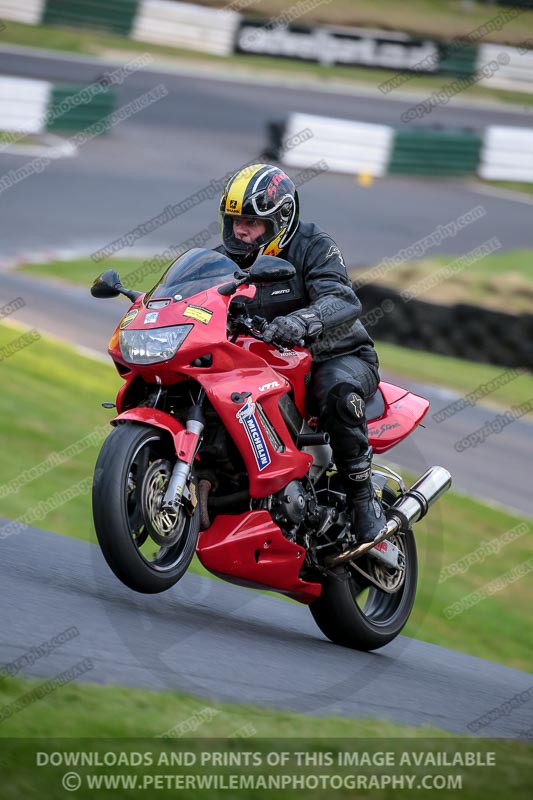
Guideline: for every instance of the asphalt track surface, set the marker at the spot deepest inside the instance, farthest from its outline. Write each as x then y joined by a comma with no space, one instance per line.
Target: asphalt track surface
214,640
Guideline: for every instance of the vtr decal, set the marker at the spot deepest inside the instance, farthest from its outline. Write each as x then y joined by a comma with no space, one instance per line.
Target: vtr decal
266,386
246,416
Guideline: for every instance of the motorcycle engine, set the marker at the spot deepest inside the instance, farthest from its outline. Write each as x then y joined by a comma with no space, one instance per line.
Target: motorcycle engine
289,507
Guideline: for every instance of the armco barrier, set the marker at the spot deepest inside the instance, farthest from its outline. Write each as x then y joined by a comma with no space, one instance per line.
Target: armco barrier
29,106
463,331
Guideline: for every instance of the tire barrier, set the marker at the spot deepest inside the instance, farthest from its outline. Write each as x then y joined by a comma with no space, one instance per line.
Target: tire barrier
463,331
193,27
114,17
507,154
32,107
350,147
434,152
163,22
515,65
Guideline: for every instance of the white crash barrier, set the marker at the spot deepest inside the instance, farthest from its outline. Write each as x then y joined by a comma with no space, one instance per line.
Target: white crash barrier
346,146
28,11
23,104
185,25
507,154
515,65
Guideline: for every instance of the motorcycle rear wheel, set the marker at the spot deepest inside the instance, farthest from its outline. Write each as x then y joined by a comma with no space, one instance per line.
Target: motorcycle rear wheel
149,551
353,613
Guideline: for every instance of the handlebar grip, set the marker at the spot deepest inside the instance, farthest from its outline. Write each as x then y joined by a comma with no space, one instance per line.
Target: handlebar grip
259,323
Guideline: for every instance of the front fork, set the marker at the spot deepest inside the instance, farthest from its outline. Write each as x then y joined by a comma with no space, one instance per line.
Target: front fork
187,443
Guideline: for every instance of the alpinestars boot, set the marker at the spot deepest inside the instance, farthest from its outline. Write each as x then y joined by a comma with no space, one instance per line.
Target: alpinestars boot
367,516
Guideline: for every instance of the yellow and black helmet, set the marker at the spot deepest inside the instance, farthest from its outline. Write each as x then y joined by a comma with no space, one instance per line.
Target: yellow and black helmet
262,192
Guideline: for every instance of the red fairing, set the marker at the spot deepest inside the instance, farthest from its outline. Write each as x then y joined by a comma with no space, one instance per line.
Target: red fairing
157,418
403,412
293,365
272,460
250,550
185,442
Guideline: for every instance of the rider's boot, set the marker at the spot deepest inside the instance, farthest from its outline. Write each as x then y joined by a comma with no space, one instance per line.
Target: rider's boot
367,518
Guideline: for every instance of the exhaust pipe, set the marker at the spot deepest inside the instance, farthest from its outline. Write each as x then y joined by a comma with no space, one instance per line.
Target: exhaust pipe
410,508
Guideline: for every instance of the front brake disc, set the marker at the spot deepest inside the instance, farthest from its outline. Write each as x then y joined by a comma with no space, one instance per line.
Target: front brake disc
164,527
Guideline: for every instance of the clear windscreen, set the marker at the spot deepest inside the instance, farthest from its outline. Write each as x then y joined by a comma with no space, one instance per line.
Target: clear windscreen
193,272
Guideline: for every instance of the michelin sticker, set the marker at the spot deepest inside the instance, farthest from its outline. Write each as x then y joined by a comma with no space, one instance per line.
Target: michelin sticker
246,416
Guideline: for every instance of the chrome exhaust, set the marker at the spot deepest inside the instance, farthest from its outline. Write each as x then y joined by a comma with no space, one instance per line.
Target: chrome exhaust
409,508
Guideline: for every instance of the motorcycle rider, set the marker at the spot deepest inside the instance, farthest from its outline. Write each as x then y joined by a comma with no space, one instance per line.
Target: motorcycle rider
259,214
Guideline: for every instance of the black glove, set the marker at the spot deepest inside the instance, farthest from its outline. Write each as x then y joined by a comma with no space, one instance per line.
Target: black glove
293,329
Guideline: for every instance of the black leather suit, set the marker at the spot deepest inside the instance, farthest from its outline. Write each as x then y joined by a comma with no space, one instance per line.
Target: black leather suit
345,364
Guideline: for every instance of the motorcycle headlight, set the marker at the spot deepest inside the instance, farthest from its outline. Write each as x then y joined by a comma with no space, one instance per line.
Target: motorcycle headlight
152,345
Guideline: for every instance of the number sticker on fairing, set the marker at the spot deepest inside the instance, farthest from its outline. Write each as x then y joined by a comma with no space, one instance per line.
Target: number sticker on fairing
199,313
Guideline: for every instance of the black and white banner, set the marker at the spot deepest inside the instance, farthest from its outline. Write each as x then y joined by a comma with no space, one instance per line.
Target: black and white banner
330,46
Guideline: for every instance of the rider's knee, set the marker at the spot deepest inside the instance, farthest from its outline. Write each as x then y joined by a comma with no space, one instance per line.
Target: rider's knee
345,403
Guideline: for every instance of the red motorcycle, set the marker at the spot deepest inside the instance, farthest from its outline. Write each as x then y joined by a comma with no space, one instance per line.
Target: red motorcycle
214,451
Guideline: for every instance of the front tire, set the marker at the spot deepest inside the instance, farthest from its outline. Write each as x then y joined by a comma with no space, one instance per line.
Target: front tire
354,613
148,550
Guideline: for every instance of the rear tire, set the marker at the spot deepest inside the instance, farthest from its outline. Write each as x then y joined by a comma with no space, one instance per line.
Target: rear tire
379,619
147,550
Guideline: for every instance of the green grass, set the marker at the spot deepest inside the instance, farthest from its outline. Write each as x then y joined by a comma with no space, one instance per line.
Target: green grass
52,400
84,271
502,280
11,137
114,711
456,373
514,186
100,43
110,720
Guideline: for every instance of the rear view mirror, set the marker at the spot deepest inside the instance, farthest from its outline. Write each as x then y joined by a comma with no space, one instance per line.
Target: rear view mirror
106,283
269,269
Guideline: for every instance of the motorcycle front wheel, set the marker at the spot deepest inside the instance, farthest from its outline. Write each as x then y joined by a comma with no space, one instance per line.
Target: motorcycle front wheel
148,550
353,612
